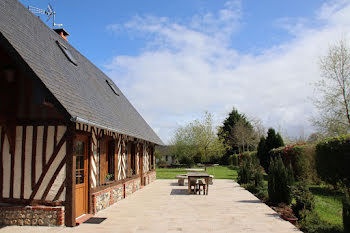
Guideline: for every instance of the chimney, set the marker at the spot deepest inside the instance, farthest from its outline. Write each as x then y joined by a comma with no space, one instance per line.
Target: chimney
63,33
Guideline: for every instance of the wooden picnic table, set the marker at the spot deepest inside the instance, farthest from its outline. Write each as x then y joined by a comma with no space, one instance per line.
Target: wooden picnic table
198,175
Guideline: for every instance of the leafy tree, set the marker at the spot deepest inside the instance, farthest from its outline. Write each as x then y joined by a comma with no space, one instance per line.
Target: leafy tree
334,103
197,141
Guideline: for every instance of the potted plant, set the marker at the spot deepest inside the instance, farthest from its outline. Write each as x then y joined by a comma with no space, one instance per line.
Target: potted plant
108,177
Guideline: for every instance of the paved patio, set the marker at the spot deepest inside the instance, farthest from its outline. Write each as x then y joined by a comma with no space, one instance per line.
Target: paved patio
165,207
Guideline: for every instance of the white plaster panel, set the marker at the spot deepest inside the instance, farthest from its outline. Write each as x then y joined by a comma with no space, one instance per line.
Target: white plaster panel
51,171
50,142
39,152
28,163
7,168
57,184
60,131
18,163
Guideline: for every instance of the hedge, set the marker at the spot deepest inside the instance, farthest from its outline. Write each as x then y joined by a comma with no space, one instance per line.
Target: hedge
302,159
333,159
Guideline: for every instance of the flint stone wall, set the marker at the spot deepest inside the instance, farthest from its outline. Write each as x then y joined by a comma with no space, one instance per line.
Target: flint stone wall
31,215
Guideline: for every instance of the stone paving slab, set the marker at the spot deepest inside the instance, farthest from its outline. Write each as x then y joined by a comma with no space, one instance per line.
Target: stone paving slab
163,206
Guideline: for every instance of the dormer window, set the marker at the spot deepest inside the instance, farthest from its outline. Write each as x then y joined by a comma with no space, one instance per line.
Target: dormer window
112,87
67,53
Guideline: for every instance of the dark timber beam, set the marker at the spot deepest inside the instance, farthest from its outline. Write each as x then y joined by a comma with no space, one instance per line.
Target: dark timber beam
69,217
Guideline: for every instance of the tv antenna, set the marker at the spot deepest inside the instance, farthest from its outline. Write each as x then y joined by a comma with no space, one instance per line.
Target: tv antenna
49,12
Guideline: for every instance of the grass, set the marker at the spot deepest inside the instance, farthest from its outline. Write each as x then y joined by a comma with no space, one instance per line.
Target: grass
328,204
219,172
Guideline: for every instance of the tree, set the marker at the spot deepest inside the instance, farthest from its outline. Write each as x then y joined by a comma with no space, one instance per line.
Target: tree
263,152
237,133
334,87
272,141
197,141
280,179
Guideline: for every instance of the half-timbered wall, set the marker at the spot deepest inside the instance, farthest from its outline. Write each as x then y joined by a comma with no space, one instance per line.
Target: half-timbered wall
145,158
122,158
35,170
121,141
138,146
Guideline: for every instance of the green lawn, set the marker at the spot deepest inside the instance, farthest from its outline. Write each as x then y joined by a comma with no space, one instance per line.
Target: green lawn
328,204
219,172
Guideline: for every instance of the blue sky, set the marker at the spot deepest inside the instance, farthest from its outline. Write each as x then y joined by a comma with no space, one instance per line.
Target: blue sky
87,22
176,59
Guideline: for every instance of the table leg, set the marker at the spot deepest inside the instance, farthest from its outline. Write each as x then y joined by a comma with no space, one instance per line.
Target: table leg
189,186
207,181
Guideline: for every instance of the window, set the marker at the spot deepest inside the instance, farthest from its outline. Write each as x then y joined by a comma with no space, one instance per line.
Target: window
67,53
79,169
111,160
112,87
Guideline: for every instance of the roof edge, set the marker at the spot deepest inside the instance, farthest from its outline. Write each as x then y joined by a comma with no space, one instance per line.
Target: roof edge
91,123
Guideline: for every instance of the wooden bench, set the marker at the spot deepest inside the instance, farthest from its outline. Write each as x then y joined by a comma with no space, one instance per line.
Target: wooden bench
181,179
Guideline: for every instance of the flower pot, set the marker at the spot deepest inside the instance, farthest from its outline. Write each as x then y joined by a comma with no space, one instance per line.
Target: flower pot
292,220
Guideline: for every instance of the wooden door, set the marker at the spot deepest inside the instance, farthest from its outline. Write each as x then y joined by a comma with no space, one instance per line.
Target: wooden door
81,175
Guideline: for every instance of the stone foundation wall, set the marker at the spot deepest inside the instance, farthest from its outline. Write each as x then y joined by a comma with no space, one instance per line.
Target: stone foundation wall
107,197
149,177
129,188
31,215
152,177
137,184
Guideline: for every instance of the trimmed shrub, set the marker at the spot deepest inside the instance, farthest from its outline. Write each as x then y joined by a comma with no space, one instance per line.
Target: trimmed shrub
280,179
304,200
332,160
302,159
246,171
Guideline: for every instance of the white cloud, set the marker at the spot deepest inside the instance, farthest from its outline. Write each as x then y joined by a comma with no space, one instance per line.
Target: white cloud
186,69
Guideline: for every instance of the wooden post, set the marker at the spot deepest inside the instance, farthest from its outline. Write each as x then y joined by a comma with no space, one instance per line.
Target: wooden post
154,158
129,159
70,179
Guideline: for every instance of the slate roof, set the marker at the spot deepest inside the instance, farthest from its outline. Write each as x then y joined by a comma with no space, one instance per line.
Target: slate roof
82,90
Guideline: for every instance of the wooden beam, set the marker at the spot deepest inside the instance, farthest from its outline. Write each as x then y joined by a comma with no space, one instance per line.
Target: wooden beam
1,159
17,201
59,192
129,158
69,217
89,175
53,178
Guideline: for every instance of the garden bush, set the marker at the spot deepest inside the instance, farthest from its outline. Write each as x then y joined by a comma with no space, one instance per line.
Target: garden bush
346,212
235,160
280,180
332,160
311,223
304,200
302,159
246,171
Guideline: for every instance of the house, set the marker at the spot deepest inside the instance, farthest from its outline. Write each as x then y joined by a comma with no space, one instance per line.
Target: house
165,157
70,141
